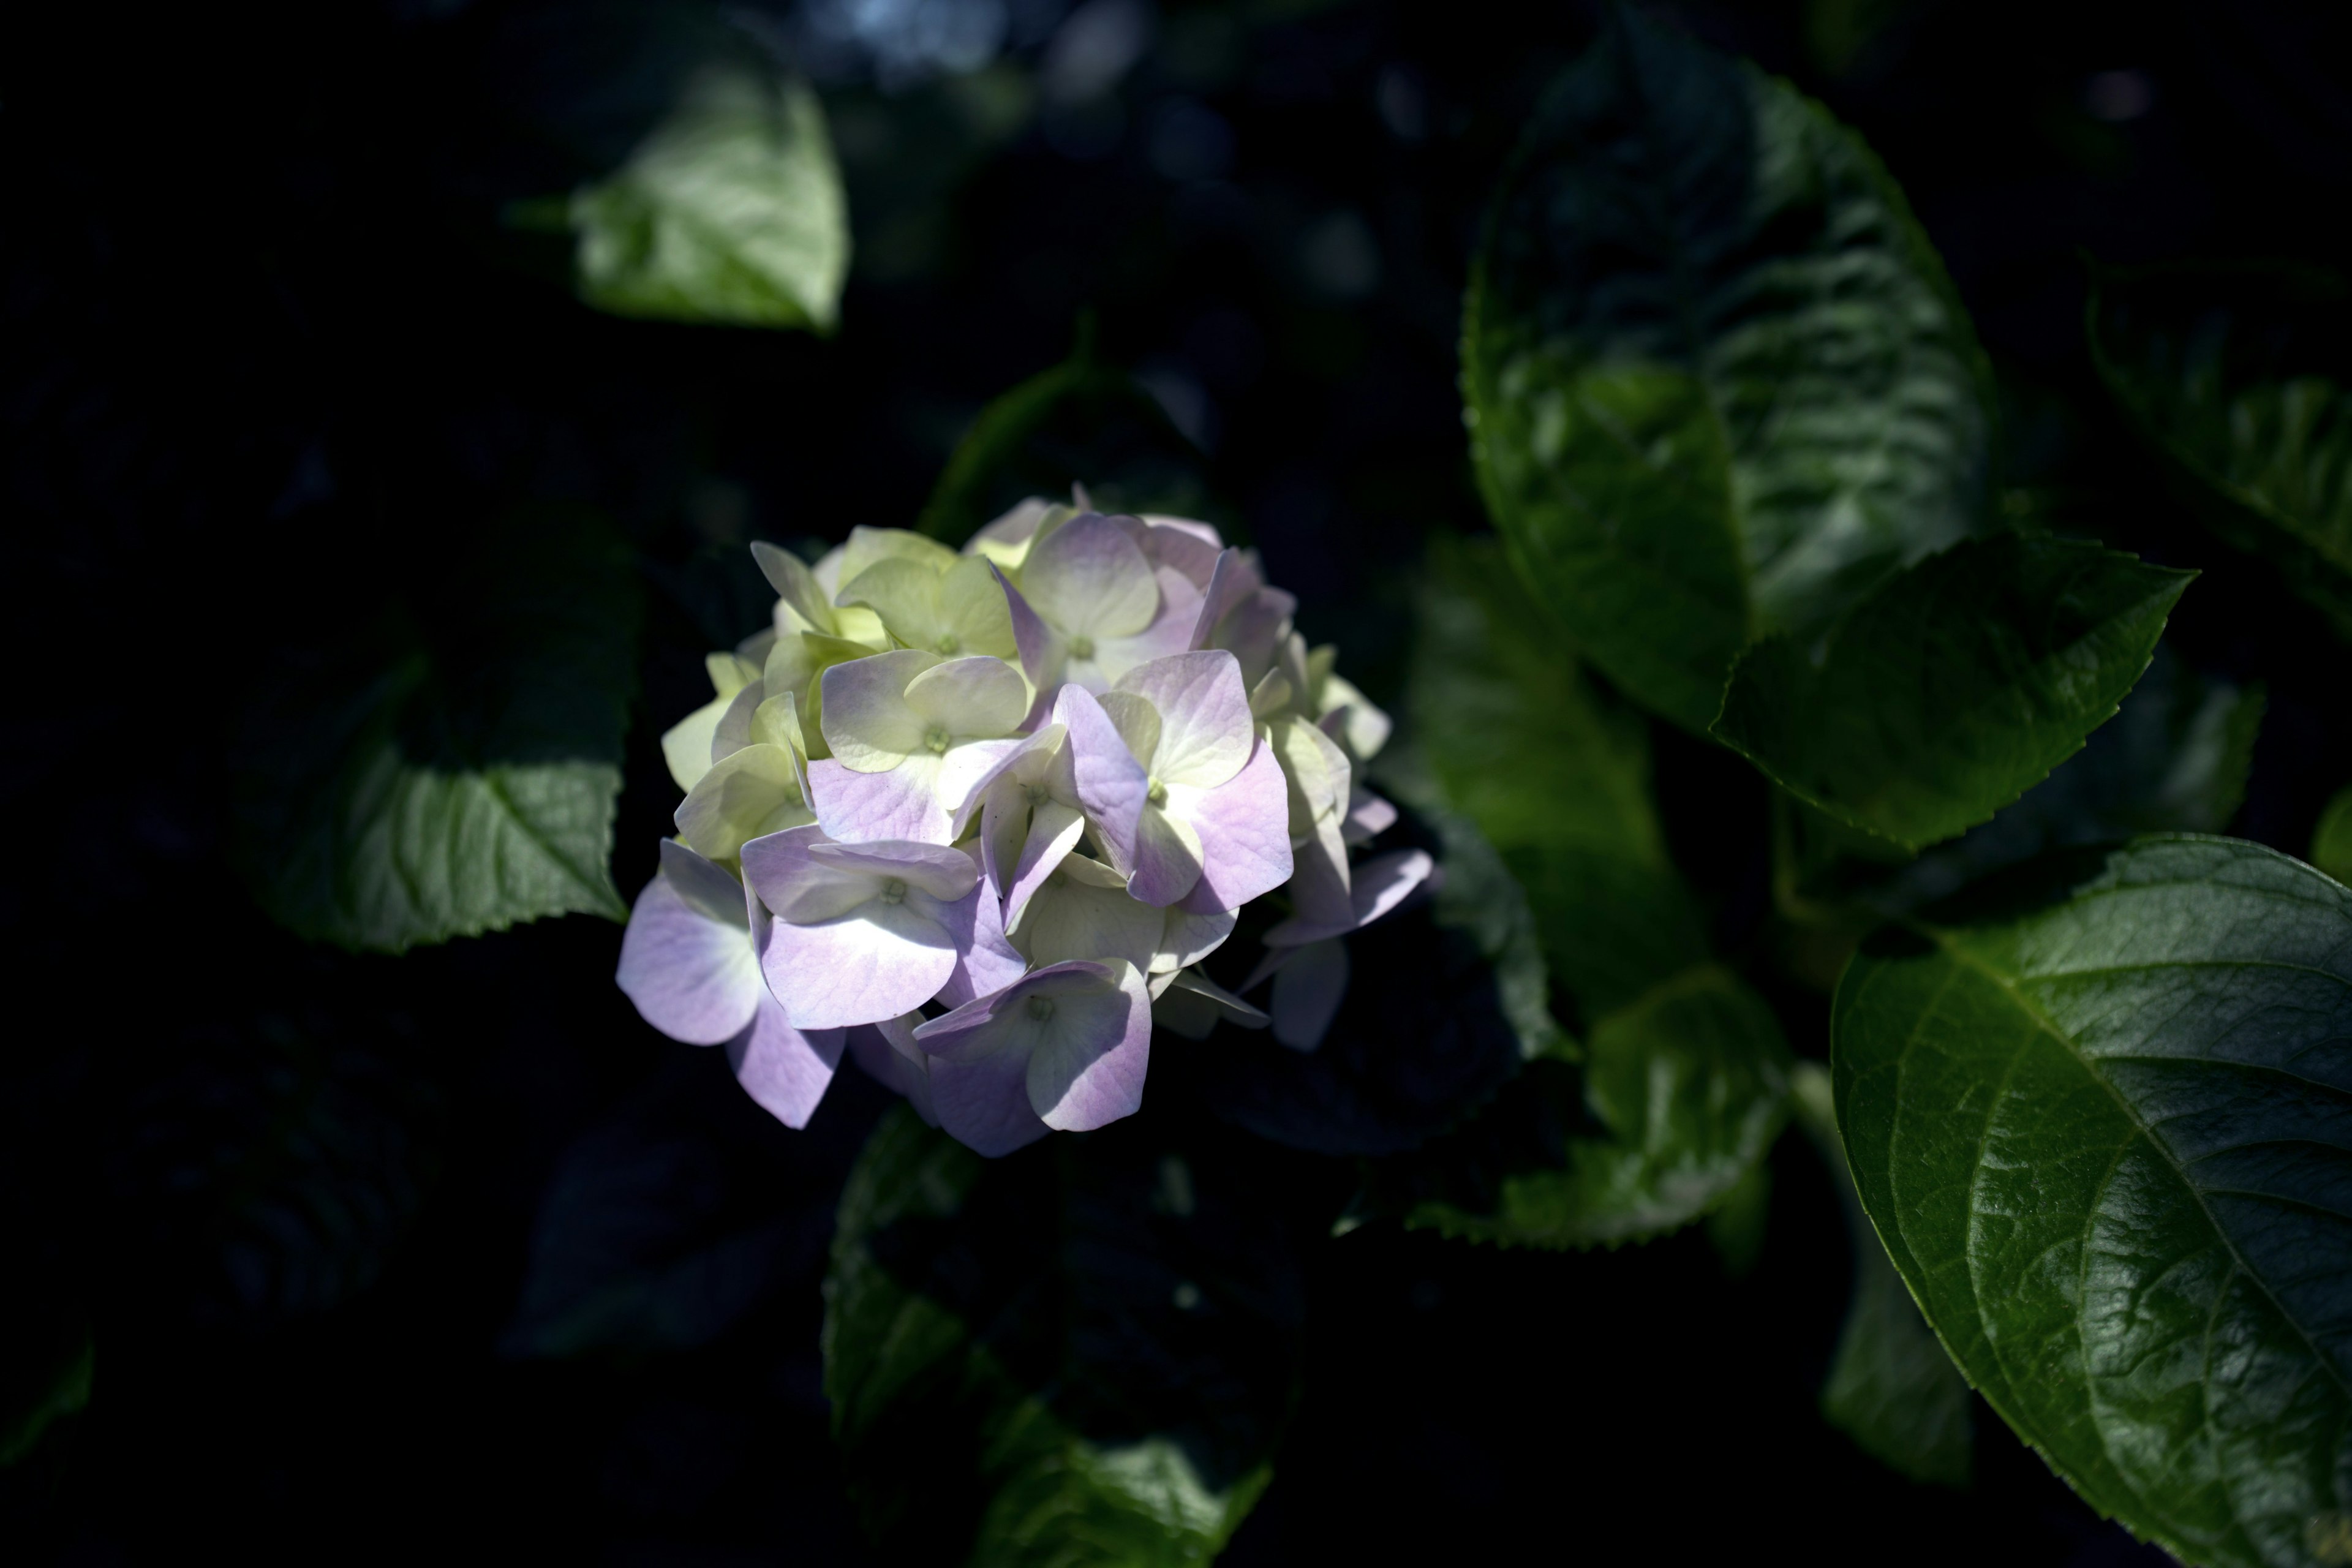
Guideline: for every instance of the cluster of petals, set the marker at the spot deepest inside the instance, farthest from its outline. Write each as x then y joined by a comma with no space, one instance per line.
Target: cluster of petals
976,819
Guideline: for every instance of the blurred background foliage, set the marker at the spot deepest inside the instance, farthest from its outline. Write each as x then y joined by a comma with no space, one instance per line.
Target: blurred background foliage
316,315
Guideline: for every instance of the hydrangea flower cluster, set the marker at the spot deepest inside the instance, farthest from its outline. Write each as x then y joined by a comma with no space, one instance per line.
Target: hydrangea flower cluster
976,819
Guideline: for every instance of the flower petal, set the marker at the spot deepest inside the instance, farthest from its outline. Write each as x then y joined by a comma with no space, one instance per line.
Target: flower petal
1036,746
1111,785
983,1103
1088,1066
796,587
686,746
1191,1005
1054,830
943,873
1243,827
1069,918
1368,817
1353,721
780,871
712,889
746,794
1206,728
1088,579
903,803
985,960
1186,938
868,545
974,698
1380,885
887,1054
961,772
692,977
1306,995
1166,860
785,1070
1189,547
877,961
867,722
734,731
1042,653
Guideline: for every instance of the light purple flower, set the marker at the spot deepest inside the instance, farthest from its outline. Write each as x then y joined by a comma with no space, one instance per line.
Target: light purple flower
1065,1049
911,733
1239,613
1029,816
1378,886
1191,1004
1090,605
689,961
862,932
1214,829
887,1053
1083,910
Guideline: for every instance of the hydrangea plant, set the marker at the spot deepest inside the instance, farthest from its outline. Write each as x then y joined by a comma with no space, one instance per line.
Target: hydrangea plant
974,819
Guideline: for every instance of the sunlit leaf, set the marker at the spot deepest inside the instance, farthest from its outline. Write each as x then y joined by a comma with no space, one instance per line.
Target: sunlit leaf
453,770
1891,1387
2101,1114
730,210
1955,687
2242,378
1081,1353
1718,382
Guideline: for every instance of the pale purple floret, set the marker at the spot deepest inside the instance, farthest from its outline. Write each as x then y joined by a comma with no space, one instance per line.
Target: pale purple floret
1377,886
1214,830
862,932
887,1053
1239,613
688,962
1065,1048
1091,605
910,733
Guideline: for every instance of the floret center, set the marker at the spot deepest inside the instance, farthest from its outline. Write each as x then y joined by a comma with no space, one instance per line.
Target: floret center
893,891
1041,1007
936,739
1082,647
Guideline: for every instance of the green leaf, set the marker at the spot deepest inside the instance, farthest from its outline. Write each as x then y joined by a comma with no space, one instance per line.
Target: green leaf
2331,841
42,1382
2174,759
1080,1354
730,211
2240,377
1891,1387
1954,688
1077,423
1550,769
2101,1114
1681,1092
1717,382
454,769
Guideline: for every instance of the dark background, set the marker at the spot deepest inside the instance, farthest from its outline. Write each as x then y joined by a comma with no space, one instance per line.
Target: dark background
270,349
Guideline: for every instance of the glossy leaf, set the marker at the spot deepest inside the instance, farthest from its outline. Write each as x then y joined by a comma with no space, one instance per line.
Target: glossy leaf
454,770
1891,1387
730,210
1553,772
1681,1093
1718,382
2240,377
1080,422
1954,688
1078,1355
2098,1113
2173,758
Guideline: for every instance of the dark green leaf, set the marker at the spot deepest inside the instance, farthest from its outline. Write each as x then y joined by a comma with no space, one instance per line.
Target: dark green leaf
42,1381
2331,841
2100,1112
1681,1092
2174,759
1079,1354
665,1225
1443,1001
1552,772
1079,423
2242,378
1718,382
281,1164
1955,687
730,211
454,769
1891,1387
